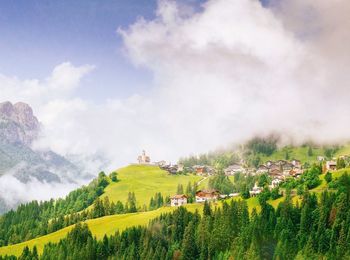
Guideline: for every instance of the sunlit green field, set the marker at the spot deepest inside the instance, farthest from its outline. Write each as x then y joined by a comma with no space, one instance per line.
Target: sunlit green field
344,150
110,224
145,181
300,153
99,227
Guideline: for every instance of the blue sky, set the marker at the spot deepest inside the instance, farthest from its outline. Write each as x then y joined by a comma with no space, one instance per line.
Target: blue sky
38,35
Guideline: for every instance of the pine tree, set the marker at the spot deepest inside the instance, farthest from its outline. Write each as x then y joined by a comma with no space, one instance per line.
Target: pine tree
341,245
189,192
114,176
35,255
180,189
245,193
189,189
107,206
341,163
189,247
131,203
26,255
328,177
310,152
203,238
252,253
206,209
119,207
287,157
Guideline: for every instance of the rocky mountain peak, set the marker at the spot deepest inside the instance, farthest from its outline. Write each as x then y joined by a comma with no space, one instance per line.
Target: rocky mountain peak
18,123
6,109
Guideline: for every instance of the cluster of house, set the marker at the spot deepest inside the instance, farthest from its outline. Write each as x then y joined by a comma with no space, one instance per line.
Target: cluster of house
171,168
203,170
256,190
279,169
145,159
214,195
176,168
201,196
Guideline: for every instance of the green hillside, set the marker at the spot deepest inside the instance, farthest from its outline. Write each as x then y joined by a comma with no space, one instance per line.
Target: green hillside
99,227
157,181
302,153
344,150
145,181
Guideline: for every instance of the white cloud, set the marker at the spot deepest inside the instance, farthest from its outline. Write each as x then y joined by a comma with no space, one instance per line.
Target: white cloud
13,191
236,69
67,77
59,85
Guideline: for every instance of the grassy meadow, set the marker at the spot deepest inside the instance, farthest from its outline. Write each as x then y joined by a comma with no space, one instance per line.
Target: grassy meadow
99,227
145,181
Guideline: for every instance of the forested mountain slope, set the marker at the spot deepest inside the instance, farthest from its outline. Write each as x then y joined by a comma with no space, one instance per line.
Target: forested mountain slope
143,182
338,187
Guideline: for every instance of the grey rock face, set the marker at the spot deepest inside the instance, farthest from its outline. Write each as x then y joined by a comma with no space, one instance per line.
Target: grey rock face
18,123
18,129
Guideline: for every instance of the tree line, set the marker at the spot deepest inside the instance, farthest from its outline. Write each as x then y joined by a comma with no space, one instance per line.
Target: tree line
310,229
35,218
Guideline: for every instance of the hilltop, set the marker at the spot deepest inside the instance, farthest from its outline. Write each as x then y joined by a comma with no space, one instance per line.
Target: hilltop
145,181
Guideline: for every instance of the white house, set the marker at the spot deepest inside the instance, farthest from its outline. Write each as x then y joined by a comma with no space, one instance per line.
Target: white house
255,191
331,165
207,195
275,183
161,163
296,163
296,173
180,167
262,169
232,169
269,163
320,158
178,200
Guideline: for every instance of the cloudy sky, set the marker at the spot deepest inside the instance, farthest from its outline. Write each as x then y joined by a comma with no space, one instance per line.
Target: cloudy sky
176,77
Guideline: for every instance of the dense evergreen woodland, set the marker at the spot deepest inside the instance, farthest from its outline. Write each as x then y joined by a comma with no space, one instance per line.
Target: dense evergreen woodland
39,218
36,219
315,228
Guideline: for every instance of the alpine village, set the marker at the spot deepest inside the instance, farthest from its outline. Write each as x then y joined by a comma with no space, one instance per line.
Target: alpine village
259,201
